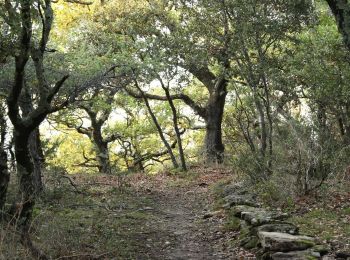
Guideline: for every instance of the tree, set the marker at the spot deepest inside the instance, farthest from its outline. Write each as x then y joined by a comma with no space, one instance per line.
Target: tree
157,23
341,12
24,125
98,108
4,172
260,41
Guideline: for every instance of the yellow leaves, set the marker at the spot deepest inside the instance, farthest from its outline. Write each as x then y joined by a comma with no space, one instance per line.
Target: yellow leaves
66,14
71,152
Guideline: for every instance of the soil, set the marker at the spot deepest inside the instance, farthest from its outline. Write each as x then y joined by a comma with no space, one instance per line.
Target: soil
182,234
181,230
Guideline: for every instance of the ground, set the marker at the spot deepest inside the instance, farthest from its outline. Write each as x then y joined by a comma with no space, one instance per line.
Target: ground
130,217
164,216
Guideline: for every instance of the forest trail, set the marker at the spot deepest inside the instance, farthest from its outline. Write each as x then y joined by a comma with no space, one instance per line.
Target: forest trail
180,231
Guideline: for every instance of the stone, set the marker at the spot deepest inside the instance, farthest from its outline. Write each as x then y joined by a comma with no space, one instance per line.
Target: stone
322,249
257,216
211,214
282,242
235,188
282,227
236,199
343,255
296,255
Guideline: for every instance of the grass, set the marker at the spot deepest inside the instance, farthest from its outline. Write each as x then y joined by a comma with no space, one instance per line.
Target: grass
103,222
326,224
232,223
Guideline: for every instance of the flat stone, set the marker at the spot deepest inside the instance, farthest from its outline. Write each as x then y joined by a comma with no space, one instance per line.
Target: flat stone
296,255
236,199
235,188
257,216
282,242
288,228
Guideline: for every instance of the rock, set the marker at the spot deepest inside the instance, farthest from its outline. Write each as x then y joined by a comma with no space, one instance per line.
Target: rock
296,255
235,199
322,249
279,227
234,188
146,209
328,257
257,216
343,255
282,242
211,214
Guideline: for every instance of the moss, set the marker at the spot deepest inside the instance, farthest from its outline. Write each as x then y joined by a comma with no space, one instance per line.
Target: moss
218,204
346,211
310,257
322,249
232,224
307,243
219,188
252,242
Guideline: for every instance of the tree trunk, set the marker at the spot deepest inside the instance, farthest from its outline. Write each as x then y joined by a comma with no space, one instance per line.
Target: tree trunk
101,147
4,172
102,155
341,12
37,156
159,129
34,143
4,177
176,127
25,171
214,147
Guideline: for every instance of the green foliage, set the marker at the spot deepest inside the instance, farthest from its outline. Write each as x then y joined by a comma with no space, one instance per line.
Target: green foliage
232,223
326,224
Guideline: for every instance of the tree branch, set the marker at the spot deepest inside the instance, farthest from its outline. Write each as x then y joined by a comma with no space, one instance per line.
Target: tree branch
199,110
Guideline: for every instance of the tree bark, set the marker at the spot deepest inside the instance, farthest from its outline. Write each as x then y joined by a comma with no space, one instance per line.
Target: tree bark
25,168
95,135
38,159
4,177
102,152
341,12
34,142
4,172
214,147
175,123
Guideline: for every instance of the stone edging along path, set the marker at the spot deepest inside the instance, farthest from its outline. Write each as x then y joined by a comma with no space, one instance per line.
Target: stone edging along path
269,233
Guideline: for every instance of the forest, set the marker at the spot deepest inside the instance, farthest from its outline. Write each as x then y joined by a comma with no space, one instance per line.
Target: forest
174,129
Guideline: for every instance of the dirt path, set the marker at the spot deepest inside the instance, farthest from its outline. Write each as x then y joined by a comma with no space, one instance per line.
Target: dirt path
180,230
179,225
